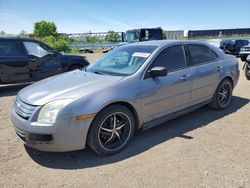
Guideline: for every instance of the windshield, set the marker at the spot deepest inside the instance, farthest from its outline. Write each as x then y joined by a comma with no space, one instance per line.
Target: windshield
131,36
123,61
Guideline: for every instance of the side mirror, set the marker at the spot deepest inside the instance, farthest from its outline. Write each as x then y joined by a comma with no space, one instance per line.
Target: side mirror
248,59
157,72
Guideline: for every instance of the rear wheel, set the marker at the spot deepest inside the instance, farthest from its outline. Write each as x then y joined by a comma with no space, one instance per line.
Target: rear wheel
223,95
243,58
111,130
247,71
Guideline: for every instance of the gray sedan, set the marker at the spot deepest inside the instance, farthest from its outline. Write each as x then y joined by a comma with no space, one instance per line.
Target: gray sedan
136,86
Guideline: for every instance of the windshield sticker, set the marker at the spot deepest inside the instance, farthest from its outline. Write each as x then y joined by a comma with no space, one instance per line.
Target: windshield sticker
141,54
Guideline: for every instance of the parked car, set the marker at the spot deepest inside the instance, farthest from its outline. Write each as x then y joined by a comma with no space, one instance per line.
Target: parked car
244,52
238,44
225,44
136,86
28,60
86,50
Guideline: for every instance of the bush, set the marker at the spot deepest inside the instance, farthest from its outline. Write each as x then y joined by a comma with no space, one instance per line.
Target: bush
61,44
112,37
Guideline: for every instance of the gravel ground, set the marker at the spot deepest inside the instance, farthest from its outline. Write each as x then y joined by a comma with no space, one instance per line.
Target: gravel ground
205,148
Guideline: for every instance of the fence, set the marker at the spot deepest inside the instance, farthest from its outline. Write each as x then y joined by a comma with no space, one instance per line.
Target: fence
93,46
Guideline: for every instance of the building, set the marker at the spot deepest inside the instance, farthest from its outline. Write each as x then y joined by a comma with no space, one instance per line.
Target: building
218,32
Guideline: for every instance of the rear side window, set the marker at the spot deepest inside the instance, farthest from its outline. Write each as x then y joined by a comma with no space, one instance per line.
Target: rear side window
214,55
200,54
171,58
9,48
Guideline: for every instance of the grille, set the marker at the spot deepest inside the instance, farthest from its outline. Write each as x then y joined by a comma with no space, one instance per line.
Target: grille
246,49
23,109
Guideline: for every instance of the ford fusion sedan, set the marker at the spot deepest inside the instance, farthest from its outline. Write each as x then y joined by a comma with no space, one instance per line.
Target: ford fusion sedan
136,86
27,60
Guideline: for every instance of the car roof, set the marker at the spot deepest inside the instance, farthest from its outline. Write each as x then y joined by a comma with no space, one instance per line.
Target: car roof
159,43
162,43
15,38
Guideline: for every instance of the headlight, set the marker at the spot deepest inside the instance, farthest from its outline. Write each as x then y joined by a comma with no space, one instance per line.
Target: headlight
49,112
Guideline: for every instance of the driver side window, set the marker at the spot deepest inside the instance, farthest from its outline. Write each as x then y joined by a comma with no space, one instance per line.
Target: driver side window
172,58
35,49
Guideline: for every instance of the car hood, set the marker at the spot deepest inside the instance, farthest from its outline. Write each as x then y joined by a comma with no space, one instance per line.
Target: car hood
67,85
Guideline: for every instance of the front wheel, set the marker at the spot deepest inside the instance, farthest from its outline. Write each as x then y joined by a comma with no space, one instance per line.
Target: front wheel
223,95
111,130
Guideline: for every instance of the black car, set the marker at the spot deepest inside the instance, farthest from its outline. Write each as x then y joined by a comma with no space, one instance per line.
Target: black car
238,44
233,47
225,44
29,60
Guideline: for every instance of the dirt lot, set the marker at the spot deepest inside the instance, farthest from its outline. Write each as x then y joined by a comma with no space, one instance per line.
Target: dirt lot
205,148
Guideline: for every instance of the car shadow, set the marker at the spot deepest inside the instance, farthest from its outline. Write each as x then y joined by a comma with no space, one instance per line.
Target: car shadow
11,90
141,142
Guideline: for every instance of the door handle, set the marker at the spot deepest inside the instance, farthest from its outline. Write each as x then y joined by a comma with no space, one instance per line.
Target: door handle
219,68
185,77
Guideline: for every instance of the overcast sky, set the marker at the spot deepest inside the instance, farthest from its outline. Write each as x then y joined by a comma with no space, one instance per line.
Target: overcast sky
103,15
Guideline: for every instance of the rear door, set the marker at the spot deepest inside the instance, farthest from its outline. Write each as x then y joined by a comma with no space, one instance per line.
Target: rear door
207,70
42,62
13,62
165,95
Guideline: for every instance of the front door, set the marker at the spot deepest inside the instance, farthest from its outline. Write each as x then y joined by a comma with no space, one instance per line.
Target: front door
42,63
165,95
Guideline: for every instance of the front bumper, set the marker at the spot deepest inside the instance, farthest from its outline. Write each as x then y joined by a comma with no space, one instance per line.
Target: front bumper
244,53
64,135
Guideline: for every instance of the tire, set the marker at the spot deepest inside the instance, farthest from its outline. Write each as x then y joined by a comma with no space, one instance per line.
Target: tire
243,58
103,138
74,67
222,96
247,72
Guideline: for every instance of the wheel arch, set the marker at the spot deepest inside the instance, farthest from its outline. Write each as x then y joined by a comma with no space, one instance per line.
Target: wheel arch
127,105
229,78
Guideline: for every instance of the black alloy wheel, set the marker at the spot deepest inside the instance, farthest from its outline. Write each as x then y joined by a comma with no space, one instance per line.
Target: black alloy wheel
111,130
223,95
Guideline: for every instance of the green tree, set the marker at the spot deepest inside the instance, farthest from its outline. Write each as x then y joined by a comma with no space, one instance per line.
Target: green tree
43,29
112,37
91,39
2,33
